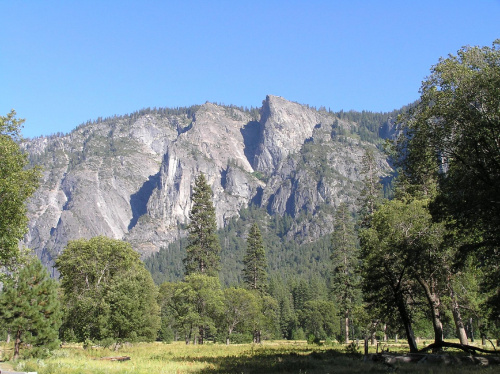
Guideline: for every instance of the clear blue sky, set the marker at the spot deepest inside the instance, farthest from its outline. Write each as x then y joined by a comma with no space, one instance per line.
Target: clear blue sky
65,62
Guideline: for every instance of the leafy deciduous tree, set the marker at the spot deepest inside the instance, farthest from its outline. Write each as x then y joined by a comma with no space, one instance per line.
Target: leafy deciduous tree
17,184
453,136
107,291
241,308
196,305
318,318
385,267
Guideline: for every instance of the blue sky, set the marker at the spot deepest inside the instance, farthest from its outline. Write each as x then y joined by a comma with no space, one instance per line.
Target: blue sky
65,62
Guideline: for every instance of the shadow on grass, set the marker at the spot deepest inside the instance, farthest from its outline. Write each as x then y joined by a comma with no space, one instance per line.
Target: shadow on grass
310,360
297,360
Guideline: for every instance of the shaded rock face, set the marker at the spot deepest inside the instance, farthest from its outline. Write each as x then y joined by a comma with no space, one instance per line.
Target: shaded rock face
131,177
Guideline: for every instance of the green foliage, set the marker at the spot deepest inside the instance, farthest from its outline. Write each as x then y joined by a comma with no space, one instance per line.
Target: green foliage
352,349
30,308
107,291
255,263
203,248
266,324
17,184
345,282
133,307
370,196
401,256
166,265
167,328
451,137
240,313
318,319
284,256
298,334
368,126
286,312
192,307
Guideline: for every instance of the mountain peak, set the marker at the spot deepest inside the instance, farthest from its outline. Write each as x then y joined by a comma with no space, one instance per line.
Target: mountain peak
285,127
131,177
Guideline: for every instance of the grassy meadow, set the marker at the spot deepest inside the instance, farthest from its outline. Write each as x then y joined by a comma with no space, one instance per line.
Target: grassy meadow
270,357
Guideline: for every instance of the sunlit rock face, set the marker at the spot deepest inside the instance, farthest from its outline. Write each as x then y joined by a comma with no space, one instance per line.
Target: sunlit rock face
131,177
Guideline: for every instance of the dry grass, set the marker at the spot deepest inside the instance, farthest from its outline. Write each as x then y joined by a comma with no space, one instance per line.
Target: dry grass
270,357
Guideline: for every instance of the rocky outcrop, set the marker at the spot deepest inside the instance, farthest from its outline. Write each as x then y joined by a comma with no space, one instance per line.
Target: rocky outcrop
285,126
131,177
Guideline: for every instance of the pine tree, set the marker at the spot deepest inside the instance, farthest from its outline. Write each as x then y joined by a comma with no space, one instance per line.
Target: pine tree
372,189
204,246
345,259
29,307
255,263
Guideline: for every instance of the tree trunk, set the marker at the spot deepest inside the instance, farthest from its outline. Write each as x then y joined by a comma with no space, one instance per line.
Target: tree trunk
434,302
396,338
385,332
405,317
373,333
347,326
462,335
340,324
8,336
17,344
471,331
202,333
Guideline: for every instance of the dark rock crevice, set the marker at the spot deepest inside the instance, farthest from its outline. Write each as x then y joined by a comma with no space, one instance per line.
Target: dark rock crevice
139,200
251,133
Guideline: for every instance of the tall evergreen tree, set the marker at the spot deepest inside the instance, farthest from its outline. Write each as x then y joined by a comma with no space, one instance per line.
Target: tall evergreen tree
29,307
345,259
371,192
204,246
254,272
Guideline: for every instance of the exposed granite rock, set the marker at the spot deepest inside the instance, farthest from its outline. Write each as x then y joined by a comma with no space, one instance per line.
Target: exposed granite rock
131,177
285,126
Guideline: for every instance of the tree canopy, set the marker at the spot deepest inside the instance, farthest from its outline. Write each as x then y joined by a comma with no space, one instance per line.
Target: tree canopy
17,184
107,291
451,138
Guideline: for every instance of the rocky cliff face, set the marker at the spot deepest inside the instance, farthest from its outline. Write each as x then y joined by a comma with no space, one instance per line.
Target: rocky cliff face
131,177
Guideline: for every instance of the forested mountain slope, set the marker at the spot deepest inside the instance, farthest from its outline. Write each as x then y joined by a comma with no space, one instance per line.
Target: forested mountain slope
131,176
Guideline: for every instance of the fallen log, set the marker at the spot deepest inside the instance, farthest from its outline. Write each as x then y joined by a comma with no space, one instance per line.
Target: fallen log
464,347
121,358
